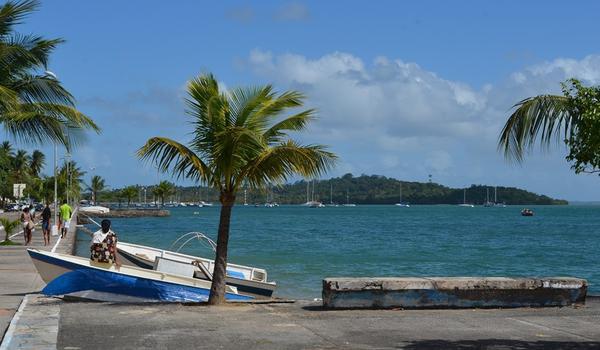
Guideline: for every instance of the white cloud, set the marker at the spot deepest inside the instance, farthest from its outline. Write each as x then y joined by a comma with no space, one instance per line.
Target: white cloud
412,118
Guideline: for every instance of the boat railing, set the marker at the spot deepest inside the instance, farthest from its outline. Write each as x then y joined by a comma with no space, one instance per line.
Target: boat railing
190,236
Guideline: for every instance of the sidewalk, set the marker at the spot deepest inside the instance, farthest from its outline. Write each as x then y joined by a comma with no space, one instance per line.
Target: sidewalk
305,325
17,269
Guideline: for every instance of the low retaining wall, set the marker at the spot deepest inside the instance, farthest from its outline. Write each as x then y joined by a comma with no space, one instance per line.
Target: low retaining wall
452,292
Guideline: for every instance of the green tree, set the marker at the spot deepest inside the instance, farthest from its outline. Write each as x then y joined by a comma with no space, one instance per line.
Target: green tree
96,186
36,163
69,180
34,106
9,227
238,138
573,118
130,192
163,190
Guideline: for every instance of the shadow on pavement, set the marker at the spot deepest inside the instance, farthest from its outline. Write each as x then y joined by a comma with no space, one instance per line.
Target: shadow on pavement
499,344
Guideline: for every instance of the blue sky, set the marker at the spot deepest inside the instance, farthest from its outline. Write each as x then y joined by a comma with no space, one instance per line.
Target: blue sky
403,89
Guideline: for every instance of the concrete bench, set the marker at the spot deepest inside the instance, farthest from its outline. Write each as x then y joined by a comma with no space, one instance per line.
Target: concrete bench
452,292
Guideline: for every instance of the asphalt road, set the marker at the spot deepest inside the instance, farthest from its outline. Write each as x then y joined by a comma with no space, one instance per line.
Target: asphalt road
304,325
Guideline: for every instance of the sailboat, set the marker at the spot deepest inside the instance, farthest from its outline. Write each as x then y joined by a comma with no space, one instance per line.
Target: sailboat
310,200
348,204
331,204
496,204
400,203
487,198
464,203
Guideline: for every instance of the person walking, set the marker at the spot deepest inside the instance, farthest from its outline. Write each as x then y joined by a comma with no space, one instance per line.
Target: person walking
64,218
28,224
46,214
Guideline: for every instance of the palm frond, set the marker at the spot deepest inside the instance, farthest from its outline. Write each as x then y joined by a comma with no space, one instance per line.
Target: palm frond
295,122
172,156
278,163
544,117
42,89
13,12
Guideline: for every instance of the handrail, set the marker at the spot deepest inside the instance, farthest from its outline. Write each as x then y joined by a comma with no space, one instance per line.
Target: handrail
195,235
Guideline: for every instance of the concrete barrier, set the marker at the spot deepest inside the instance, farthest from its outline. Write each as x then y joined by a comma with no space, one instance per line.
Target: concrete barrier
452,292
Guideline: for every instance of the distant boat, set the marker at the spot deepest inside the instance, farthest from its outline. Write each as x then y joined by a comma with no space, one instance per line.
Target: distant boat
464,203
487,202
496,204
400,203
94,209
526,212
66,274
348,204
205,204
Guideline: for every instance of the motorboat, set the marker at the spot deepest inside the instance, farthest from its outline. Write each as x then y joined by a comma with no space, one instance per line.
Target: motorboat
527,212
246,279
67,274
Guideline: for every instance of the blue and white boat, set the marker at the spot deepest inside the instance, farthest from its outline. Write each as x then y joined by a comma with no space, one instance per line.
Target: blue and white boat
66,274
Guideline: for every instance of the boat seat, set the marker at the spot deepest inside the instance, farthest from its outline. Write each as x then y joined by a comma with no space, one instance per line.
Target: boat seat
235,274
174,267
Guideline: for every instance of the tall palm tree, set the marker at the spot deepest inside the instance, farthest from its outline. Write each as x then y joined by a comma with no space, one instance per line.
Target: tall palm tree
37,162
163,190
69,179
21,162
130,192
96,186
238,137
34,106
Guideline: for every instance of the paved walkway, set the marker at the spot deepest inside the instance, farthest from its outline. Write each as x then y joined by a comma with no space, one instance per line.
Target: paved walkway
304,325
17,269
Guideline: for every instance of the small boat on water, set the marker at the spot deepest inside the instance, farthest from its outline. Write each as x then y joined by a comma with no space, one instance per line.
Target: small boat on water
527,212
66,274
464,203
246,279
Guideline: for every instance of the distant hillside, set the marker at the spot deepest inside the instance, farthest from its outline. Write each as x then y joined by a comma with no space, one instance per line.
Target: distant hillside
365,189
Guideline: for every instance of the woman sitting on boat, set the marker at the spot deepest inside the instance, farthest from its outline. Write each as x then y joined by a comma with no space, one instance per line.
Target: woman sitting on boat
104,245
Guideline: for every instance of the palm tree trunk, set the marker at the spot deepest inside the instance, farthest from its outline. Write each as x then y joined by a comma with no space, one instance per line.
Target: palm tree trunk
217,288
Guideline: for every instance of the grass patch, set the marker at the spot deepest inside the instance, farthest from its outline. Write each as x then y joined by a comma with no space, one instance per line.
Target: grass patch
9,242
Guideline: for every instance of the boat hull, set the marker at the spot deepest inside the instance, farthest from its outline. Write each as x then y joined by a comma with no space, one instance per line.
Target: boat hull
67,274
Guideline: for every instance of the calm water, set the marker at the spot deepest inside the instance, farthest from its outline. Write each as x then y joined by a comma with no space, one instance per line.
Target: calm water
299,246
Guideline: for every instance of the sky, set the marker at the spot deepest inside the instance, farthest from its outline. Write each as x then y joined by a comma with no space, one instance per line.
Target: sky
403,88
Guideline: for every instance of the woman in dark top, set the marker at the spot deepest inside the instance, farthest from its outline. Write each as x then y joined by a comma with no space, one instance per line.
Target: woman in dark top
46,214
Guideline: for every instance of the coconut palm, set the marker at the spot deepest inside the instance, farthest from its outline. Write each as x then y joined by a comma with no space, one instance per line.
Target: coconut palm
9,227
239,138
130,192
96,185
34,106
69,179
550,118
163,190
36,163
21,162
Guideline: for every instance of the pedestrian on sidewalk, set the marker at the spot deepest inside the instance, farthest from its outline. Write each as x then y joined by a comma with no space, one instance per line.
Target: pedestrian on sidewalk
104,245
28,224
46,214
64,218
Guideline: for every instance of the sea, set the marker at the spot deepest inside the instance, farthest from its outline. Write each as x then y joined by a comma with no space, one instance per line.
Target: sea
299,246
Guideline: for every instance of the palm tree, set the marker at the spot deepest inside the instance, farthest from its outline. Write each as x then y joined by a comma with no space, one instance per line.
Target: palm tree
130,192
37,162
21,162
9,227
543,117
163,190
34,106
97,185
69,179
238,138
